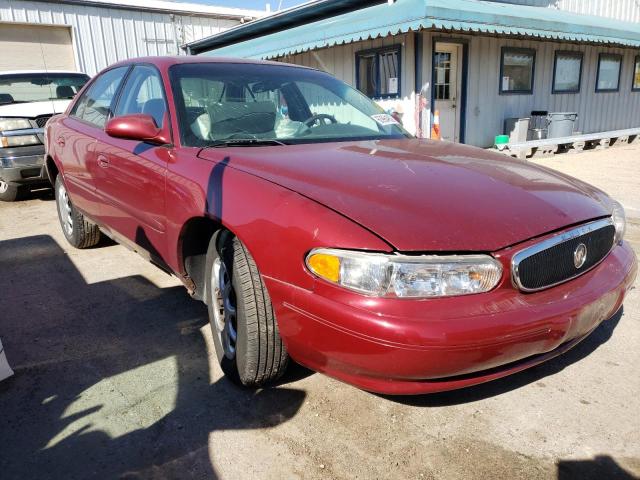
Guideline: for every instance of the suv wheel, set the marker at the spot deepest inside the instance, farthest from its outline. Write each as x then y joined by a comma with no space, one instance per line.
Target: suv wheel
244,327
9,191
77,230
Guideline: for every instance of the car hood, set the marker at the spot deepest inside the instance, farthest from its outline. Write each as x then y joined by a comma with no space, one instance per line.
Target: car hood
34,109
421,195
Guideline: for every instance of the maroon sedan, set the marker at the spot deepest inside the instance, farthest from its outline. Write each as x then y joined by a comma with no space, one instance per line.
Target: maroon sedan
315,227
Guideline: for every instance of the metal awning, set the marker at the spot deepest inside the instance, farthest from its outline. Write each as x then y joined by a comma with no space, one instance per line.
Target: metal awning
466,16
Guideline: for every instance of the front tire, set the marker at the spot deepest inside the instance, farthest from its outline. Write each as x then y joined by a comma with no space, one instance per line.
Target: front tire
76,229
9,192
245,332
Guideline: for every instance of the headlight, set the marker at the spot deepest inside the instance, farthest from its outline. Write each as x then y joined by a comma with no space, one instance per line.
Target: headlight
14,124
19,141
619,221
403,276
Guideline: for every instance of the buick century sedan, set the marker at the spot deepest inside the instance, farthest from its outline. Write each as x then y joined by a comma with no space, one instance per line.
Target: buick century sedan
315,228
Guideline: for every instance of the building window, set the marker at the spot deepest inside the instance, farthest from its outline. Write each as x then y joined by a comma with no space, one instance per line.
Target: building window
609,66
378,72
635,86
567,72
516,70
442,83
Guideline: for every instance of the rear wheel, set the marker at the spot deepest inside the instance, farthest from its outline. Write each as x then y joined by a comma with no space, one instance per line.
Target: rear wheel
9,191
77,230
244,327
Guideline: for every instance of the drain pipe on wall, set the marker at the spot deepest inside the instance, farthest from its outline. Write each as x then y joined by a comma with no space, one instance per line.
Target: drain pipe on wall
5,369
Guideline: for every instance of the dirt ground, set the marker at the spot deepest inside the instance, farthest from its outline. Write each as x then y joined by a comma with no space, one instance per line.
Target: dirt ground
115,379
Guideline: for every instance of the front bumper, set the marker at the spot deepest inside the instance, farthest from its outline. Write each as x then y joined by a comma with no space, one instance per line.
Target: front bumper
410,347
22,165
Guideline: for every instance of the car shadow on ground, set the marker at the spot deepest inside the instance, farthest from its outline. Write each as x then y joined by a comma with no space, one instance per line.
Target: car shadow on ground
112,378
599,336
600,468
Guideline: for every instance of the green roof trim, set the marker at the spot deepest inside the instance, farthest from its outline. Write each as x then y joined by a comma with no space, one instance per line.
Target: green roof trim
468,16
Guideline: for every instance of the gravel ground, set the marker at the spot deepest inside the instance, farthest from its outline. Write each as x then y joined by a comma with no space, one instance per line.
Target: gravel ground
115,379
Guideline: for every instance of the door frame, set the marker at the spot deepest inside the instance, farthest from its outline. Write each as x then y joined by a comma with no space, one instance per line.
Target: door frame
463,84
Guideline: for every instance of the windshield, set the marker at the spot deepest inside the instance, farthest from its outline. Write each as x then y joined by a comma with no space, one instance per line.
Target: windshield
38,87
220,102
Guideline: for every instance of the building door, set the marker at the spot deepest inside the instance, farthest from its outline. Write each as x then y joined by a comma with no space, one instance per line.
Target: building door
36,47
447,80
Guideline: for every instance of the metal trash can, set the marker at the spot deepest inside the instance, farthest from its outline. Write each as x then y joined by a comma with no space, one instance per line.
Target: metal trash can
561,124
517,129
538,125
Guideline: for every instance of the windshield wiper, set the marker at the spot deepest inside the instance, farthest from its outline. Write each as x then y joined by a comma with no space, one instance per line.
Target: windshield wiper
243,142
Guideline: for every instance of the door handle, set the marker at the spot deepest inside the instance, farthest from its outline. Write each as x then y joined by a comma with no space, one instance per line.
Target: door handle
60,141
103,161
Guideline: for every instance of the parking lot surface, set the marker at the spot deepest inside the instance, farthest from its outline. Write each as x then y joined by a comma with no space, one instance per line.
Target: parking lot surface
116,378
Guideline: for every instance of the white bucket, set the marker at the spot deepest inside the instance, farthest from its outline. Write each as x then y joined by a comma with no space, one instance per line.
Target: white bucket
5,369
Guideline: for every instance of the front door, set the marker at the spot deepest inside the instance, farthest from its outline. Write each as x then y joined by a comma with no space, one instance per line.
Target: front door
131,174
447,79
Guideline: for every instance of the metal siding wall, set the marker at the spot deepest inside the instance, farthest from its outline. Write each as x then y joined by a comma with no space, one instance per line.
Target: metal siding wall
487,109
627,10
103,36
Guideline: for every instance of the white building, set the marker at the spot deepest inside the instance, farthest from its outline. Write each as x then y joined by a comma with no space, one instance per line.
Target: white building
88,35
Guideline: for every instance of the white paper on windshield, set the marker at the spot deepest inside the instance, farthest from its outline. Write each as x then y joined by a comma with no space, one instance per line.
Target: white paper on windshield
384,119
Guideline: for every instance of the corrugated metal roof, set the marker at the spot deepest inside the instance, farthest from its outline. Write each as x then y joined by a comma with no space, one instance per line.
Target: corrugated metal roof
451,15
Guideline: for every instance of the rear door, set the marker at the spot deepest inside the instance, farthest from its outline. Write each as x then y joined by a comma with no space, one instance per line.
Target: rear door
75,140
131,174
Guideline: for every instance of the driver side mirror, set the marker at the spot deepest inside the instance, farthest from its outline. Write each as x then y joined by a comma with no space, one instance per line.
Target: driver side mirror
138,126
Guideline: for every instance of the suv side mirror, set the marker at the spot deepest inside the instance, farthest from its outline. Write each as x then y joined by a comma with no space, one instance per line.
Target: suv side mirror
137,126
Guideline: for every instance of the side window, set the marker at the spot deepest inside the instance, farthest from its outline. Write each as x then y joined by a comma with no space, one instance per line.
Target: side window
143,93
378,72
95,105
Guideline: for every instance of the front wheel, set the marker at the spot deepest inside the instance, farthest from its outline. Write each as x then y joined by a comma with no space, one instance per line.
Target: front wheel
9,191
76,229
245,332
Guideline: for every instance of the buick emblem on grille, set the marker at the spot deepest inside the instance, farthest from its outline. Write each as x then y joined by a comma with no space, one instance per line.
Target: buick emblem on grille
580,255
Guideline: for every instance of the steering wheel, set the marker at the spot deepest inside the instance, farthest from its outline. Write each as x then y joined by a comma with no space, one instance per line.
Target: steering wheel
321,119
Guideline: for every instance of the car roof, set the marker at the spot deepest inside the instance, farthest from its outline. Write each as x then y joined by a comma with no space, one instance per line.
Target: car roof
167,61
27,72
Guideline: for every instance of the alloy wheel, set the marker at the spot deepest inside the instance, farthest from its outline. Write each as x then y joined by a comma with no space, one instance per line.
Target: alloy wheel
4,186
64,207
224,308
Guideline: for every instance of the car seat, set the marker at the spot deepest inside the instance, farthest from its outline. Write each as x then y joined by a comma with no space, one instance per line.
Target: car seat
156,109
5,98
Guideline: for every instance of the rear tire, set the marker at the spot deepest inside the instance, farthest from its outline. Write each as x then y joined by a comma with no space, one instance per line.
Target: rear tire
9,192
76,229
245,332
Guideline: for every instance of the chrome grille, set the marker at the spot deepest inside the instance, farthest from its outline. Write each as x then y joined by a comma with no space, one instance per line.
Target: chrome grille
559,258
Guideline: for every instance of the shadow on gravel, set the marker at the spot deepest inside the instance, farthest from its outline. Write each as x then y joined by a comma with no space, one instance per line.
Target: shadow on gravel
112,378
599,336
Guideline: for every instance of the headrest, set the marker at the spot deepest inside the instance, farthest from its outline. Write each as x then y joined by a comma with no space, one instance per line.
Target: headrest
64,91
